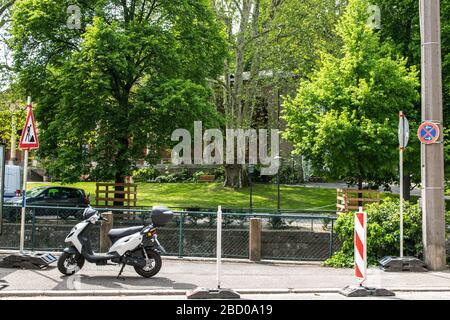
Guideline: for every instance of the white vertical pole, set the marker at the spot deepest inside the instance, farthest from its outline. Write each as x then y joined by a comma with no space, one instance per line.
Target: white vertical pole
365,246
402,145
360,255
24,190
401,202
219,245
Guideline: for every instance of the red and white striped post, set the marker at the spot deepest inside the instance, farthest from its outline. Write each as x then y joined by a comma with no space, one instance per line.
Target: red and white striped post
361,262
361,245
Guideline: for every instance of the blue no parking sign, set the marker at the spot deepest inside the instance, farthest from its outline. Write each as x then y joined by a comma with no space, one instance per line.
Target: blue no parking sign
428,132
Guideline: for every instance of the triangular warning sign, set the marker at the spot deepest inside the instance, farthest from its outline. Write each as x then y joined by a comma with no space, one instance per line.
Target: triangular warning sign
29,139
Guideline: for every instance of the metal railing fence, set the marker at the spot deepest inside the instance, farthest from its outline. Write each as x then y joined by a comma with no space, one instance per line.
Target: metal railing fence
292,236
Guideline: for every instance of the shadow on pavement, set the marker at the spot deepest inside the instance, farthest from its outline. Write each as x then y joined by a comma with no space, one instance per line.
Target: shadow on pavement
85,282
4,272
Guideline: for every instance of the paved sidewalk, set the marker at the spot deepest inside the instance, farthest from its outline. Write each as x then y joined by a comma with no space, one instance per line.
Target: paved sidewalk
178,276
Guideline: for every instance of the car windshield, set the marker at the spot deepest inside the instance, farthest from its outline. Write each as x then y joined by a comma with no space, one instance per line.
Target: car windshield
35,191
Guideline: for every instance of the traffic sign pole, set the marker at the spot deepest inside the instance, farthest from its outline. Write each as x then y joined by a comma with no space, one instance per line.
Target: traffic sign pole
24,201
24,187
403,137
401,202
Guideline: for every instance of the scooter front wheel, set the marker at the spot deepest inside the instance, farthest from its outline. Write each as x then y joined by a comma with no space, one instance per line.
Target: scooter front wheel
152,267
70,263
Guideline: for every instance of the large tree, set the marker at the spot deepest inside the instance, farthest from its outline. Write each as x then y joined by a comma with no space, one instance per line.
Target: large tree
129,74
272,42
344,119
6,62
12,116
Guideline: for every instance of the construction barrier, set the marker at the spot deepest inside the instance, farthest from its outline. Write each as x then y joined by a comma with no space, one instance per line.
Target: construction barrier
361,245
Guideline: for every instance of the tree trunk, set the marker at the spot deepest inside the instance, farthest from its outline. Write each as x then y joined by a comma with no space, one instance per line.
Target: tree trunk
407,187
360,195
235,176
122,165
119,178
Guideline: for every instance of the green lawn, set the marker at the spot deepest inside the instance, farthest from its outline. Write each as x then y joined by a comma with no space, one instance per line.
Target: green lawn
210,195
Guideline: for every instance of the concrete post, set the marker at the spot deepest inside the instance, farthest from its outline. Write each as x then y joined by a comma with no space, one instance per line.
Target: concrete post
255,239
105,243
432,156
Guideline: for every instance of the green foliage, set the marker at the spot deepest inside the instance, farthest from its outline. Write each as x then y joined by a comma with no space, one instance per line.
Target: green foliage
400,26
196,176
340,260
383,233
145,174
134,72
12,110
345,118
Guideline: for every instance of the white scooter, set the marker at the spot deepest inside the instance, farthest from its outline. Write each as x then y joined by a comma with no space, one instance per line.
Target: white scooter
135,246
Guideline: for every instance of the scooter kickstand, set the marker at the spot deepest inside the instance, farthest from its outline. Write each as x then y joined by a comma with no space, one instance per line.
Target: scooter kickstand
121,270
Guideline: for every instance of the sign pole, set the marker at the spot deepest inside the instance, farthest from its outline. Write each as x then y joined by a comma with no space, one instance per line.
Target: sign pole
401,202
24,189
219,293
24,200
402,146
28,140
403,138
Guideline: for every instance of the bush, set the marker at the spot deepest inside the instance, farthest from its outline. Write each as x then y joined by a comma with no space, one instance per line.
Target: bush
145,174
383,233
170,178
196,176
180,176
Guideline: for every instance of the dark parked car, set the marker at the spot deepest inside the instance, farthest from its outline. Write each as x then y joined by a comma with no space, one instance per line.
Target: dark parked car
49,197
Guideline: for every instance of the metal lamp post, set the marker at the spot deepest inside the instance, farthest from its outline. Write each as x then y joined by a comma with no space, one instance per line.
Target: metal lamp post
278,186
251,169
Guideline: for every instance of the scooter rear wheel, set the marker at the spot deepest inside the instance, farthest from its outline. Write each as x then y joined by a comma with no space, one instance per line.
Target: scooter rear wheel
70,263
153,267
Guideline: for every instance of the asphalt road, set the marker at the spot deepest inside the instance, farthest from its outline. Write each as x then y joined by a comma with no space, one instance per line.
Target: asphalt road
178,277
292,296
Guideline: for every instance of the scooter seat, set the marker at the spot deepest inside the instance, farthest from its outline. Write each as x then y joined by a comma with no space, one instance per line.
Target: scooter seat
115,234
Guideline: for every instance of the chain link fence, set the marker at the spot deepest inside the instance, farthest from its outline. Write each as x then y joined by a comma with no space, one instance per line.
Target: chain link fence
302,236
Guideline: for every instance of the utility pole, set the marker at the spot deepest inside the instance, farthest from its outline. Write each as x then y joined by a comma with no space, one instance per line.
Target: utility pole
432,155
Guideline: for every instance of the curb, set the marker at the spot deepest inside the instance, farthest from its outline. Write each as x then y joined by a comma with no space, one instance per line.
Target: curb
168,293
235,260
